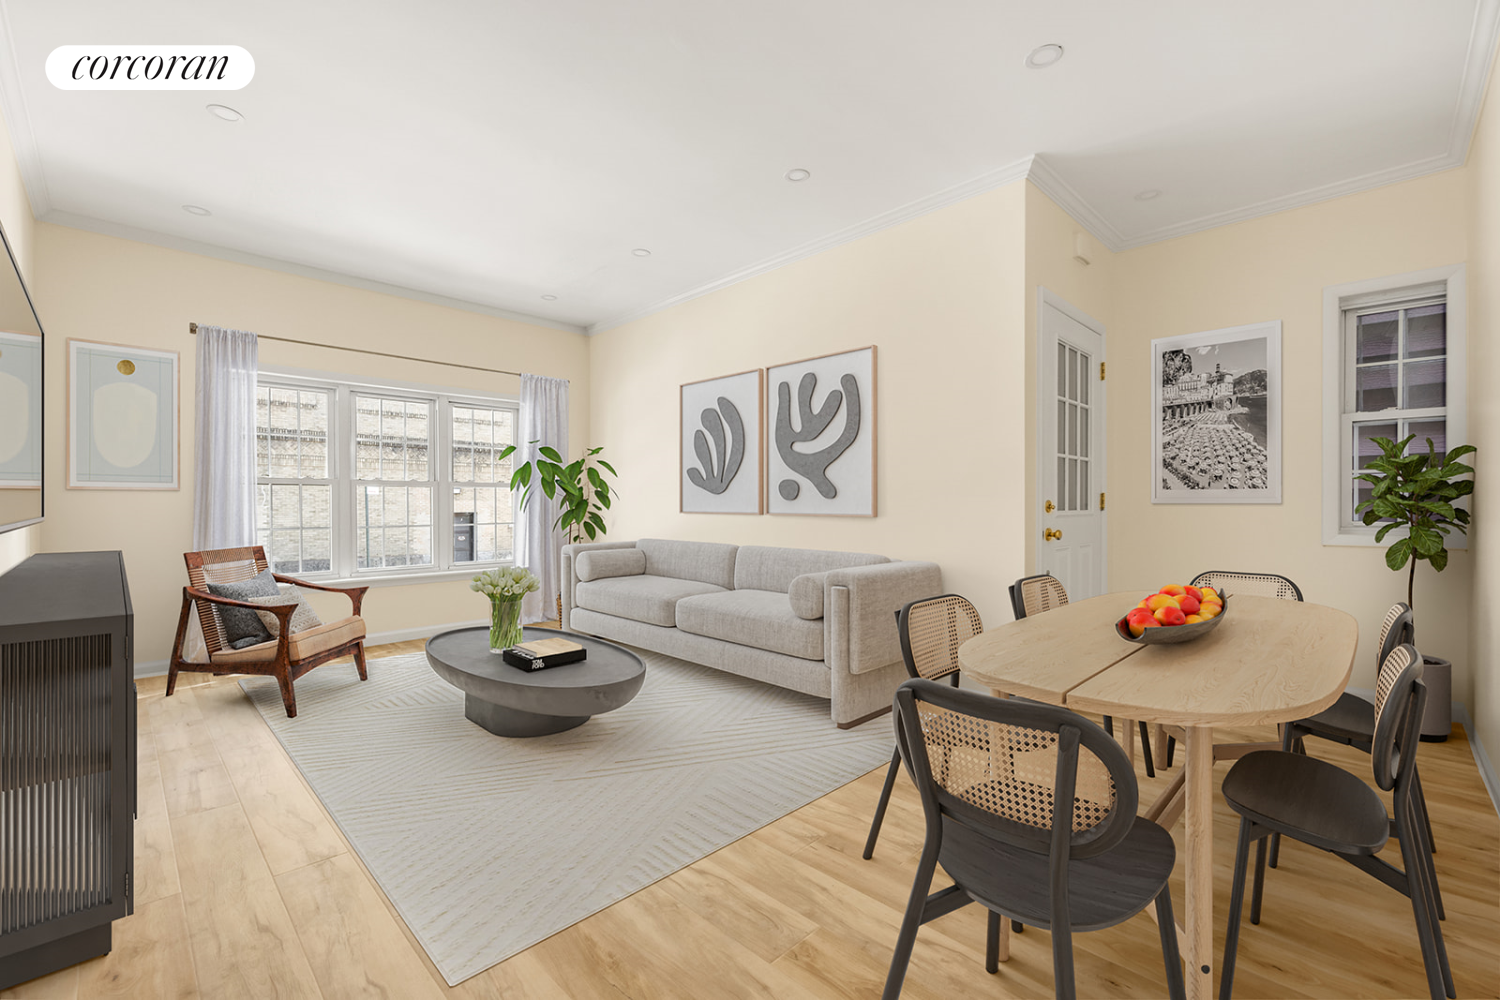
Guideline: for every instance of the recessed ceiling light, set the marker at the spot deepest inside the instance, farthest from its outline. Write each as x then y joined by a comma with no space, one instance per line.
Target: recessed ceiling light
798,174
196,210
550,298
225,112
1043,56
1148,194
641,252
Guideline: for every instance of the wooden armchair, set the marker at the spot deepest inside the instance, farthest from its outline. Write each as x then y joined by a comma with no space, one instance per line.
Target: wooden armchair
286,657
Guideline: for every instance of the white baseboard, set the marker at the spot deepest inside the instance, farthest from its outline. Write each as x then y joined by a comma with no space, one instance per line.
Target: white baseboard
156,668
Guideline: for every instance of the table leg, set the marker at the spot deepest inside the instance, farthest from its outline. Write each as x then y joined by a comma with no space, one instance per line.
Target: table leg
1198,843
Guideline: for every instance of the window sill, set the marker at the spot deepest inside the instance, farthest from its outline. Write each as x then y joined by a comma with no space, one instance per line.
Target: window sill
1366,539
412,579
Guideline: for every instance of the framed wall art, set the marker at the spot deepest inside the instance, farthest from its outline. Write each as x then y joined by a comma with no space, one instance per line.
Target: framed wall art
1216,416
122,417
720,446
20,412
820,457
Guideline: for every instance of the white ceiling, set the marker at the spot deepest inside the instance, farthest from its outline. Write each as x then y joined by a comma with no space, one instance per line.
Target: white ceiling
493,152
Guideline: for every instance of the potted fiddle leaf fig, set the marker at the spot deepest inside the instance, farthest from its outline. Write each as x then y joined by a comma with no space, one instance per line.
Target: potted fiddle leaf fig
1417,492
585,493
1420,493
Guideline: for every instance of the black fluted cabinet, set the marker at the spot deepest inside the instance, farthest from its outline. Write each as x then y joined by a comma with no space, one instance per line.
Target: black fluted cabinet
67,760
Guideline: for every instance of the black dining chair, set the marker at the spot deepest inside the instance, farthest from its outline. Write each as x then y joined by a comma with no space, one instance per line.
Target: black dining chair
1031,810
1351,721
1032,595
930,630
1325,806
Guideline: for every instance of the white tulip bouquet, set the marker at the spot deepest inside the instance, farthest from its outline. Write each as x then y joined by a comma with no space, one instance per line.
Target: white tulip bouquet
505,587
508,583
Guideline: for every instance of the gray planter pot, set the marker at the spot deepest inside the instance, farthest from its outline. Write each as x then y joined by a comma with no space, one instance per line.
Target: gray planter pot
1437,720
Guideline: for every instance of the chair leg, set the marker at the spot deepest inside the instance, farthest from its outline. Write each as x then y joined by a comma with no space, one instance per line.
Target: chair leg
1176,989
1146,751
1236,904
885,800
1109,724
1427,876
172,677
907,938
1286,745
288,696
1171,746
1420,801
1427,927
359,660
1423,830
992,944
1260,880
1062,962
1017,926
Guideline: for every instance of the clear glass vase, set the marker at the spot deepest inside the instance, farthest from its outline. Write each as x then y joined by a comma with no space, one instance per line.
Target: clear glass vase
505,623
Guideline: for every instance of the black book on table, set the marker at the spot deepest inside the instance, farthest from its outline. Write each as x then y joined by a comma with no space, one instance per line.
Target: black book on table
544,653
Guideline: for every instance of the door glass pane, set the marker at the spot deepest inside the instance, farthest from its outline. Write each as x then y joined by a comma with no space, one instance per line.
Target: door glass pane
1072,428
1062,427
1084,370
1426,383
1073,480
1073,374
1083,432
1084,495
1062,369
1375,388
1427,331
1375,337
1062,482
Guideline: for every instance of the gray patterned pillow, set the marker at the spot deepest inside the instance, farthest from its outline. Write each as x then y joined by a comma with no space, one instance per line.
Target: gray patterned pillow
242,623
303,618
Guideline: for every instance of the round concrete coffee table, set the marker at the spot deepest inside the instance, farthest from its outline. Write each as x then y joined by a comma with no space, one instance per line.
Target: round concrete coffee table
511,702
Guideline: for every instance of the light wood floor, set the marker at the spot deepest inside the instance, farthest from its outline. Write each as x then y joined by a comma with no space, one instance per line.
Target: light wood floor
245,888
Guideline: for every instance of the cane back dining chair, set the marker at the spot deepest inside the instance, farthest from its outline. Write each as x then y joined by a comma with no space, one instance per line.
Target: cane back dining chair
1351,721
286,657
931,630
1031,810
1327,807
1031,595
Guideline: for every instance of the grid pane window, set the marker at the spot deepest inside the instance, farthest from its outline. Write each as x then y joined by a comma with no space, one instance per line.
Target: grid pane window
483,515
391,439
294,494
393,526
1073,416
1397,374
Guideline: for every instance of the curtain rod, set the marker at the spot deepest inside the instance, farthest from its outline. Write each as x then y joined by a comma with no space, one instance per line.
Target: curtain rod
193,329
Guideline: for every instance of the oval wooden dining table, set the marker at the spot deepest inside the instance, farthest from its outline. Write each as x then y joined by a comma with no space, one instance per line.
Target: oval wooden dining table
1268,661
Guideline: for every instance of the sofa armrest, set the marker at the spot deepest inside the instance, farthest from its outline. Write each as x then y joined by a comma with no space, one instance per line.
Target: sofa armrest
569,577
859,623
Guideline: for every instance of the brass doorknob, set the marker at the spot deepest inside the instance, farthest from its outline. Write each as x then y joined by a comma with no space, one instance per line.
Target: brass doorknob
1052,534
1049,506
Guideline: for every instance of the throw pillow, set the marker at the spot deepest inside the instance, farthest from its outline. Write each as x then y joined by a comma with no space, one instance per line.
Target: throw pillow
806,595
303,618
599,564
243,623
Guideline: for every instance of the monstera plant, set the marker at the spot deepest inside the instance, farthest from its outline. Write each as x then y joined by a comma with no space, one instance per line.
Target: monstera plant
581,487
1417,492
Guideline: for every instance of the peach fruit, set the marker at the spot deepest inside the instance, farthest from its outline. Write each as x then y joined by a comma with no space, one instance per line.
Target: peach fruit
1170,615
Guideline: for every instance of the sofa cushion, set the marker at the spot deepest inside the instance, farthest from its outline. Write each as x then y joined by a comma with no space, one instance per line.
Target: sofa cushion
648,598
303,618
759,618
705,562
242,625
601,564
806,595
757,567
302,644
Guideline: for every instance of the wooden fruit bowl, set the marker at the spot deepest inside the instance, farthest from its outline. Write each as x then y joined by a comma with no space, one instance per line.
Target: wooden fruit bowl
1167,635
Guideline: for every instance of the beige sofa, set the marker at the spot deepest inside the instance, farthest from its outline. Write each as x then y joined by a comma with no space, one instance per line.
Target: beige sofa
818,622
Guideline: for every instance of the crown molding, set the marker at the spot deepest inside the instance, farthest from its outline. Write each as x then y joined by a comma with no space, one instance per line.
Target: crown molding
119,231
18,121
1051,183
1000,177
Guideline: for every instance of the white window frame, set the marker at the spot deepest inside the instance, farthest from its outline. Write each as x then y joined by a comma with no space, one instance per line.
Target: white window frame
1338,418
341,460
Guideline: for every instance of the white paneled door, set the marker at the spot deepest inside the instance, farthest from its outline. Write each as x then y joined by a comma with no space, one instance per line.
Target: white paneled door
1070,447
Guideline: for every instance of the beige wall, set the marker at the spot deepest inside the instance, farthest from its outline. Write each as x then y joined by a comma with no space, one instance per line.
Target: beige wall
105,289
1050,264
1275,268
1484,420
15,216
940,296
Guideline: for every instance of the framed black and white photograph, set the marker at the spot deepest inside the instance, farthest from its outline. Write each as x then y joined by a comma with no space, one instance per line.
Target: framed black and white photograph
721,444
820,457
1216,416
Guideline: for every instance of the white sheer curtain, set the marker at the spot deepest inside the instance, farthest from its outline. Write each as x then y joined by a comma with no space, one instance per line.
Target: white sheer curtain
544,418
224,449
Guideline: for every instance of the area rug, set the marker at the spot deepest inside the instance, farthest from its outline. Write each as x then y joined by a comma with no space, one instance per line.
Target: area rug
488,845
